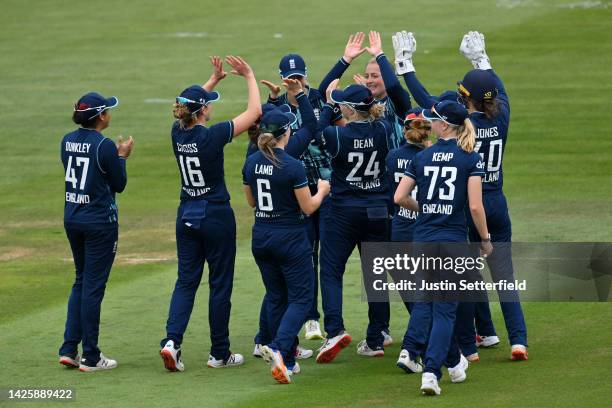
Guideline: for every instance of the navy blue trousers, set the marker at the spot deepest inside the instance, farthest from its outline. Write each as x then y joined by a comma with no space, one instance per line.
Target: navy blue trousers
284,258
500,265
93,251
213,242
402,231
347,227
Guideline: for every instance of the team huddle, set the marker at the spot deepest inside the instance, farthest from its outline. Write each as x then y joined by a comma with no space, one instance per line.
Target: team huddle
326,170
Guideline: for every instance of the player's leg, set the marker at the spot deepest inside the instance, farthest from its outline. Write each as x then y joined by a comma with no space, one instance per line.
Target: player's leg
262,337
376,230
312,327
100,249
190,266
464,330
219,233
72,334
337,244
500,264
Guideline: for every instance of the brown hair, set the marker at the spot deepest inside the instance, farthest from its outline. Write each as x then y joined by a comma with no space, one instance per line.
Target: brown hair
489,107
266,142
81,118
417,131
185,117
466,135
376,112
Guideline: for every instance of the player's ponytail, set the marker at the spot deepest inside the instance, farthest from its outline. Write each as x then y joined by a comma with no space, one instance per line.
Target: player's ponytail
185,117
266,142
83,119
417,131
466,136
376,111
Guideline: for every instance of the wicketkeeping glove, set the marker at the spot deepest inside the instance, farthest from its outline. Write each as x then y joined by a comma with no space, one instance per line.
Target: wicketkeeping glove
404,45
473,48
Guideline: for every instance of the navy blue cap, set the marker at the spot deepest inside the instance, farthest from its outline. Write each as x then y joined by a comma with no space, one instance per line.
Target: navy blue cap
450,112
290,65
196,97
357,96
95,104
277,121
479,85
449,96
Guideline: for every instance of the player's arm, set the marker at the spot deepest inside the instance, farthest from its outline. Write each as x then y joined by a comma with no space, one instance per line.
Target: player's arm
217,75
248,193
274,91
402,195
404,45
473,48
398,95
478,213
242,122
352,50
112,162
311,203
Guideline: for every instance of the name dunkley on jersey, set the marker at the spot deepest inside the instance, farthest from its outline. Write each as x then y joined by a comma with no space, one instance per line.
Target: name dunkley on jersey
199,155
93,174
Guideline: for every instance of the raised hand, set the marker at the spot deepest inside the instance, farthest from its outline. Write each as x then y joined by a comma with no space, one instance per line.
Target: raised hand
359,79
218,72
124,147
293,86
274,89
404,45
473,48
375,47
354,47
239,66
333,85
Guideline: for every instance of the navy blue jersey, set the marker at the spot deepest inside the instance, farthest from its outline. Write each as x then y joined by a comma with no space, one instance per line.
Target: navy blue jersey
358,161
199,155
491,134
316,159
93,174
395,137
441,173
273,188
397,163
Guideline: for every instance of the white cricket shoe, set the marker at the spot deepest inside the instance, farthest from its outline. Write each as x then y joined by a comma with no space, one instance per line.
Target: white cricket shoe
103,364
295,369
519,352
302,354
457,373
71,361
388,340
313,330
429,384
257,351
407,364
172,357
233,360
330,349
486,341
364,350
277,365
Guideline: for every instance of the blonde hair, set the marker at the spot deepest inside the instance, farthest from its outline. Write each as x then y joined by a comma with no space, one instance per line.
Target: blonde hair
417,131
184,116
466,136
376,112
266,142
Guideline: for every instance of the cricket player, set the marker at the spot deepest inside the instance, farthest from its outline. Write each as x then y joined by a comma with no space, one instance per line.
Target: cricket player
95,170
277,187
205,224
447,175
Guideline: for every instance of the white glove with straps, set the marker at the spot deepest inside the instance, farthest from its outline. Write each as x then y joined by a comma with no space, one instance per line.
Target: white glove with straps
473,48
404,45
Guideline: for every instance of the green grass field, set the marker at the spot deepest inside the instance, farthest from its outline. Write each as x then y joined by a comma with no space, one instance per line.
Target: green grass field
554,57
